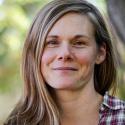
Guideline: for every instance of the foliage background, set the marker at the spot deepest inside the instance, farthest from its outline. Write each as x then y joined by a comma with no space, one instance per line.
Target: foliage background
15,19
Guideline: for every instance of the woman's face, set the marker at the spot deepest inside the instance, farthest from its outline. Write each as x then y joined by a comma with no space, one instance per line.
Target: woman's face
70,53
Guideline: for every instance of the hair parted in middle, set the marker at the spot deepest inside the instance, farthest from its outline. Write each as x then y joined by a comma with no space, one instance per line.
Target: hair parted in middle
37,105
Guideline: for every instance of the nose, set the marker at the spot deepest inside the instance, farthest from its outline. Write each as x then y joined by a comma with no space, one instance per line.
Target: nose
65,53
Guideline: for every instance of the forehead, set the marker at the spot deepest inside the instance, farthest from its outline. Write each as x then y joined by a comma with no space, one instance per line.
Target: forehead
73,23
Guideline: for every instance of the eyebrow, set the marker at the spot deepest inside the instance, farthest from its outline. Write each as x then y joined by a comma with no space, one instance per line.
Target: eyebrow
76,36
52,36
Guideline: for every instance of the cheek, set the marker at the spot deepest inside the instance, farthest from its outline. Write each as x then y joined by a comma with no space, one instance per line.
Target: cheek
86,58
46,58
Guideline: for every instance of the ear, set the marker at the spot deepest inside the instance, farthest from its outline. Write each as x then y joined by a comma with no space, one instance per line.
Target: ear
101,54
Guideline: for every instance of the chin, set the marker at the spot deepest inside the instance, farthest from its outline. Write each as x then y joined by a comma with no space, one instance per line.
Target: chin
63,85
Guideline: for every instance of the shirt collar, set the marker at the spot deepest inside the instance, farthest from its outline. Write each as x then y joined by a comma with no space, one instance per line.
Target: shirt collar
112,103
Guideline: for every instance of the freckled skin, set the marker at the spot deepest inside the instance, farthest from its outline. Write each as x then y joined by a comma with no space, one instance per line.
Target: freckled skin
67,63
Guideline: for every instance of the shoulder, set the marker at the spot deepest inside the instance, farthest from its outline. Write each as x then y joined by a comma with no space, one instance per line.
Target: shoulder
113,102
14,120
11,121
112,110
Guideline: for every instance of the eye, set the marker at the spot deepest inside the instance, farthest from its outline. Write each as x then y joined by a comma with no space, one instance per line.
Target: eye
51,43
79,43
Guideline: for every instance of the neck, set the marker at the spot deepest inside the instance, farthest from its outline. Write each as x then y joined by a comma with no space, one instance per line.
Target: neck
79,104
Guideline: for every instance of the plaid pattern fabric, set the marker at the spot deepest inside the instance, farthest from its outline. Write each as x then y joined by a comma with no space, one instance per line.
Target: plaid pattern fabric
112,111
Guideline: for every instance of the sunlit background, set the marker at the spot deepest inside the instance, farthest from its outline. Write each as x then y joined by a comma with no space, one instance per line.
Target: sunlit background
15,19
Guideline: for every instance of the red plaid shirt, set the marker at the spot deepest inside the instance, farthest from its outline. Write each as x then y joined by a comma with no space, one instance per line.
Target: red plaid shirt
112,111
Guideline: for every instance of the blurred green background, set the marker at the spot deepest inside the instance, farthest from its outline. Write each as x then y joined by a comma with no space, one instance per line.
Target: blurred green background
15,19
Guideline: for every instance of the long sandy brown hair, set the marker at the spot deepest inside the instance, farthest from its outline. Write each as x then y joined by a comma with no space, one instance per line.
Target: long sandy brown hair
37,105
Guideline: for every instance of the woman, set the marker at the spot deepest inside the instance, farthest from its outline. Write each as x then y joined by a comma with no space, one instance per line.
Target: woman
68,67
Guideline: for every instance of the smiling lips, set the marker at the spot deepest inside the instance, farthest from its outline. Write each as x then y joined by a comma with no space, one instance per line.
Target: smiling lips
65,69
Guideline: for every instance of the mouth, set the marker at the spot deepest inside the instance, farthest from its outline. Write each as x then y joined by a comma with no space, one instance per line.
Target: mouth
65,68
